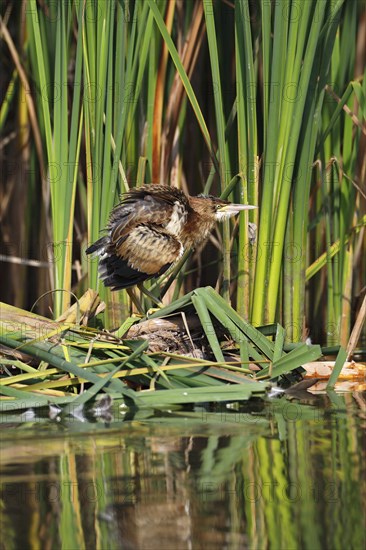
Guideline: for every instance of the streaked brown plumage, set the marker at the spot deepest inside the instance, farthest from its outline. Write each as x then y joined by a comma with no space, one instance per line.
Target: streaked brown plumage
151,228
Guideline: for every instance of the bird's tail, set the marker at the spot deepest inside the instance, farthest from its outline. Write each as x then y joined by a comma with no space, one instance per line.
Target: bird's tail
98,247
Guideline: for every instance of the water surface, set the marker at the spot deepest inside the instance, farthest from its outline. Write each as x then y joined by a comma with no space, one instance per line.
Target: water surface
279,475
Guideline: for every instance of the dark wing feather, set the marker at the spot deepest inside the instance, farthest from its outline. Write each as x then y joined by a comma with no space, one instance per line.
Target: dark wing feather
117,274
98,246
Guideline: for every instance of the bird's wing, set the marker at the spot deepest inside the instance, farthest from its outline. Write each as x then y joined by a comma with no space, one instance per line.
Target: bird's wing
148,249
148,204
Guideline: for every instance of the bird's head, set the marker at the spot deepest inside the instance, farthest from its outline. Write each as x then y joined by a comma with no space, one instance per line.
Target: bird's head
217,209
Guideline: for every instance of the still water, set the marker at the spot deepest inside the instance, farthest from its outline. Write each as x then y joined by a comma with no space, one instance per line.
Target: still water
282,475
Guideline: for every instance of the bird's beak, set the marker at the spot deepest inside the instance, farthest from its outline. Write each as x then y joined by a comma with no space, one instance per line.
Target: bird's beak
236,208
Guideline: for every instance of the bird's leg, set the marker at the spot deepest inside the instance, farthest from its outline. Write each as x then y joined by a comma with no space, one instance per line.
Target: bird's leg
153,298
134,299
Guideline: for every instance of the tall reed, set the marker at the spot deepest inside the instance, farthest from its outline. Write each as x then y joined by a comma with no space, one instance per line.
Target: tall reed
272,96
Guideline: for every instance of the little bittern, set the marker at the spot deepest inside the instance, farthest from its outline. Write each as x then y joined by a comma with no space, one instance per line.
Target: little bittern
151,228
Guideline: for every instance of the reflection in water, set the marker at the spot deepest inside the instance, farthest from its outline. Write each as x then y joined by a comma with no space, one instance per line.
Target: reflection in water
289,476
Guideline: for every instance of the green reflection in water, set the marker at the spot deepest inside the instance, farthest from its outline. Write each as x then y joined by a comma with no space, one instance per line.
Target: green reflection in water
288,476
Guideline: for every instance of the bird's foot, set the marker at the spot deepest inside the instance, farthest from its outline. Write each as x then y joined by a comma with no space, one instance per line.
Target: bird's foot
152,310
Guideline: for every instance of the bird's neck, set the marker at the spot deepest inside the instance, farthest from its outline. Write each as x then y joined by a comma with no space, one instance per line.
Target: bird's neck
198,225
